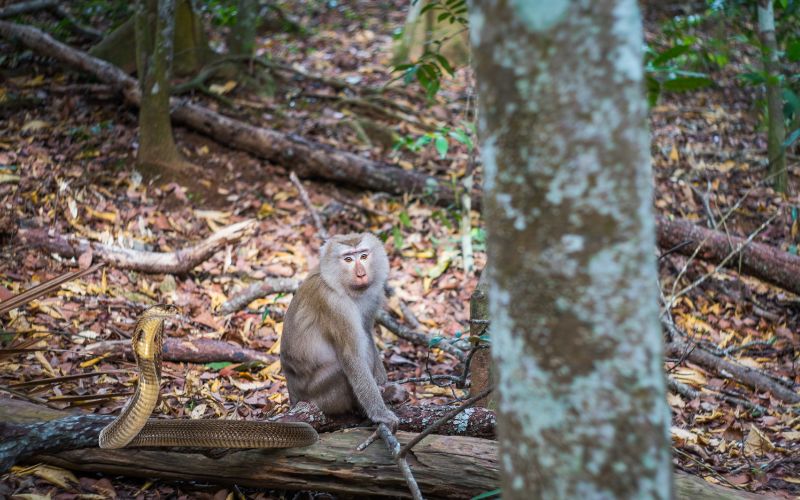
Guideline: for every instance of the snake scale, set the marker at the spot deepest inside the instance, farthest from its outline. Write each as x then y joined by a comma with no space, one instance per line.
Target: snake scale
134,427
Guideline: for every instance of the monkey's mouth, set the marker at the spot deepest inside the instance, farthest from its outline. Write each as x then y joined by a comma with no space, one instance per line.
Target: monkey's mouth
360,285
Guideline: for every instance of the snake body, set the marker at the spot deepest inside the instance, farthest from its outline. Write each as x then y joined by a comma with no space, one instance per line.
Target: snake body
134,427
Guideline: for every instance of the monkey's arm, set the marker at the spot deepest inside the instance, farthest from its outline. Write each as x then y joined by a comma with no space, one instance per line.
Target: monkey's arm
366,389
378,370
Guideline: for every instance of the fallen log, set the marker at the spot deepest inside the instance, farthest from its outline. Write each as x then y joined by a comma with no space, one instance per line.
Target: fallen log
178,262
765,262
183,350
444,466
307,158
29,429
740,373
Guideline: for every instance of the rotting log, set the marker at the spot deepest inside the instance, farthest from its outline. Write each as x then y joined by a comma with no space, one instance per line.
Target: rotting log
308,158
765,262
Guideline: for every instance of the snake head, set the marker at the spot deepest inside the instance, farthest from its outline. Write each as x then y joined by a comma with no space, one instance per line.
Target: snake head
148,334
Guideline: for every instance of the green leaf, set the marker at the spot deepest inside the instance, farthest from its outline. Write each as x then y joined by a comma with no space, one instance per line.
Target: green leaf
444,15
686,83
792,137
670,54
441,145
434,341
218,365
462,136
793,50
445,64
398,237
487,494
405,220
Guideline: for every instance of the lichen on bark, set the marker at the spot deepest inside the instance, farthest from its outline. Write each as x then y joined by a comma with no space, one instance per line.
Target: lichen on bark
572,274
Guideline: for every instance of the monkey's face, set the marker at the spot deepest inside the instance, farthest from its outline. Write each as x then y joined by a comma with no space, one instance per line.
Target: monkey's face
354,263
357,266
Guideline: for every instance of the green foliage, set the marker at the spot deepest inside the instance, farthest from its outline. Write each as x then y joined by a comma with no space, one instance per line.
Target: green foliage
86,11
664,72
440,139
222,12
488,494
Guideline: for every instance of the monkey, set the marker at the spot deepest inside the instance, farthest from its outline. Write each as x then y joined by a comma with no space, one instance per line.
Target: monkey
327,352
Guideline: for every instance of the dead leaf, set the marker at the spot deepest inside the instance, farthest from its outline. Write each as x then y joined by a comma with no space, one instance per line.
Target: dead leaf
85,260
35,125
757,443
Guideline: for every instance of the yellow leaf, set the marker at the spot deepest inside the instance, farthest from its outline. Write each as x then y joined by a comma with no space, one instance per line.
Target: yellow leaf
53,475
271,371
689,377
702,419
35,125
106,216
673,155
682,435
757,443
39,355
265,210
793,480
94,361
9,179
224,88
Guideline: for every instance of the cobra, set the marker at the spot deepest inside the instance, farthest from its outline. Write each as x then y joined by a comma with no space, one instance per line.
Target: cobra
134,427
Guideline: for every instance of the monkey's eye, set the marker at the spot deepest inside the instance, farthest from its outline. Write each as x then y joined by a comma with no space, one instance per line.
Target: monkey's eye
348,259
363,256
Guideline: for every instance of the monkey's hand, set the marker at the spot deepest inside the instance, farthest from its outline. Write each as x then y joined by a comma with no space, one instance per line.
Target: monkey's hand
387,417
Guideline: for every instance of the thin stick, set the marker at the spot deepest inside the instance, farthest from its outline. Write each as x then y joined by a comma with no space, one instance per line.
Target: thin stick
447,416
689,392
323,233
721,265
399,456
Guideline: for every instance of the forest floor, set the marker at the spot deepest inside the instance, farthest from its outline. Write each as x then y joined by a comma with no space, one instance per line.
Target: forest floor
67,164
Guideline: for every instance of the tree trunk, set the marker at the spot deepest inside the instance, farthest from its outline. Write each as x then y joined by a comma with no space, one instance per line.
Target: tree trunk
480,367
155,23
191,43
776,133
568,195
242,36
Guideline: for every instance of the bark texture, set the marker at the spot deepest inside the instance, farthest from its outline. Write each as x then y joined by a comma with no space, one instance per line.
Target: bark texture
582,411
155,25
776,131
480,367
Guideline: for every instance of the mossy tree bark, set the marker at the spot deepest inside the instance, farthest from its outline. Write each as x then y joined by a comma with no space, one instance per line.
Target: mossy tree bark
242,37
776,133
190,41
155,22
572,276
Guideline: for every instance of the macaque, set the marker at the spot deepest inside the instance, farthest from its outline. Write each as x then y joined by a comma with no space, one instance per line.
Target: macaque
327,351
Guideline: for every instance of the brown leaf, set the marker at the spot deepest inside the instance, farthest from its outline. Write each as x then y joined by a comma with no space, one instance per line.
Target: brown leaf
85,260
